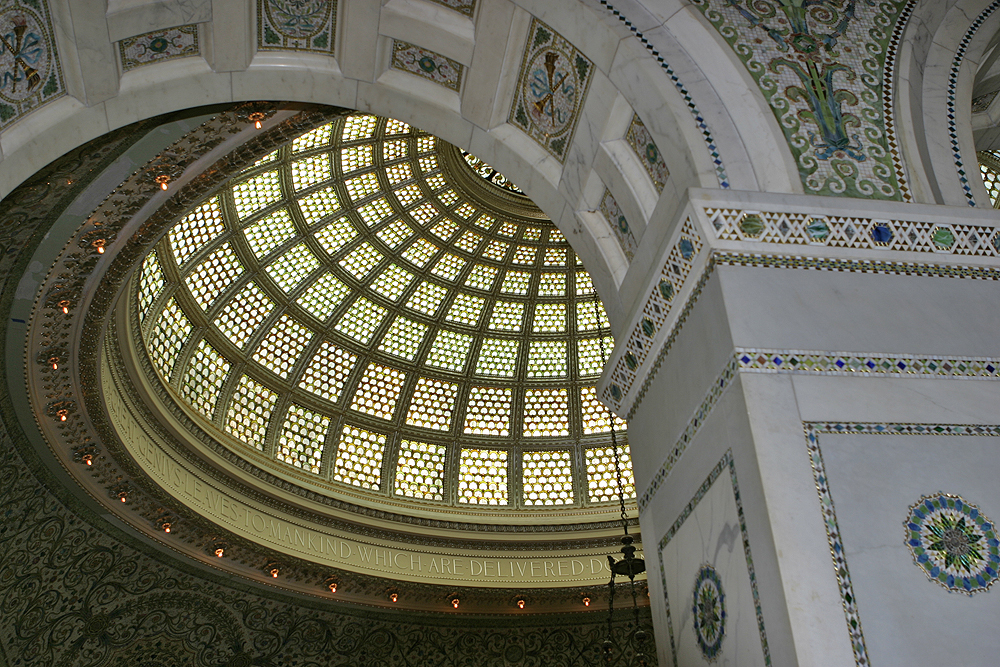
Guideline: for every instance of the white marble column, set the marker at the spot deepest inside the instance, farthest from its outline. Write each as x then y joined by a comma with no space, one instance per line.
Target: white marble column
820,368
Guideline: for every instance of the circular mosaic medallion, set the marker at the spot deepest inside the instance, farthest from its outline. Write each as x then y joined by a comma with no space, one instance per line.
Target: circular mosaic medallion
709,609
953,543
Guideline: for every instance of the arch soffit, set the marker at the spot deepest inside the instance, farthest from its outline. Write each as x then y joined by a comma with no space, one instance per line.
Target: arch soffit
936,95
625,71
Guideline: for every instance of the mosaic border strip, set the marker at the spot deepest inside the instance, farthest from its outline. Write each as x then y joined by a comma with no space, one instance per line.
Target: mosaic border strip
856,266
849,601
733,224
726,460
716,391
706,132
827,363
956,66
796,262
812,433
864,364
655,314
888,99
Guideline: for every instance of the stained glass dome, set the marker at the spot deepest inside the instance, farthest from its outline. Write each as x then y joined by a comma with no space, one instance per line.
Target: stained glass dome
361,308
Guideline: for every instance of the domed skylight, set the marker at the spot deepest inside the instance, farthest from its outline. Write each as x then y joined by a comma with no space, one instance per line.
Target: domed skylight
346,308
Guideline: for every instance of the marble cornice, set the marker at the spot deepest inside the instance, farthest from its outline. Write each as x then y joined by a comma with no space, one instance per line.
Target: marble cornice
742,229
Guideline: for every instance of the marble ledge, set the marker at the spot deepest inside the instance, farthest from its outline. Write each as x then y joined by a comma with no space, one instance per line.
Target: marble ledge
128,18
430,26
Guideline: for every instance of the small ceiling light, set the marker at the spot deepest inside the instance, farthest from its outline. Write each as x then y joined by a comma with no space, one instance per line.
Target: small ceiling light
257,117
454,603
55,363
123,496
274,572
62,414
88,459
586,602
166,527
99,244
333,586
219,552
520,603
162,179
393,596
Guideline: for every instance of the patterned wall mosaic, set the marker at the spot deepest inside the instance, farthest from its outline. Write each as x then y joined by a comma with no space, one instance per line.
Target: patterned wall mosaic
864,364
550,90
953,543
708,608
649,155
619,225
427,64
157,46
722,465
297,25
30,74
822,67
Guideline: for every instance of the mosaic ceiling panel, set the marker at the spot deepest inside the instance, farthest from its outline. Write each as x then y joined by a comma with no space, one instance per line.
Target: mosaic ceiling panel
31,73
427,64
821,68
553,83
344,308
159,45
297,25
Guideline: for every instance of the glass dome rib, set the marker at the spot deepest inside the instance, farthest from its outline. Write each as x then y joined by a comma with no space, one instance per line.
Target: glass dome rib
346,308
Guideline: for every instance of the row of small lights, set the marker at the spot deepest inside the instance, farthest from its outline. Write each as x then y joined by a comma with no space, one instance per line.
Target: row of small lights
273,569
163,180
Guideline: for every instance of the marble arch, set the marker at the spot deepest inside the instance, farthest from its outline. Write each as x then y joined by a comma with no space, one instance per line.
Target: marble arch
804,367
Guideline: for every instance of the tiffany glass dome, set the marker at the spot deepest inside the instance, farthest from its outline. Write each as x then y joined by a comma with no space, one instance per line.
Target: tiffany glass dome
369,311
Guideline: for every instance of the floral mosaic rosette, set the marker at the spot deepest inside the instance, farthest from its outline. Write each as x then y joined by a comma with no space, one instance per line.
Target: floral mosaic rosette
953,542
709,612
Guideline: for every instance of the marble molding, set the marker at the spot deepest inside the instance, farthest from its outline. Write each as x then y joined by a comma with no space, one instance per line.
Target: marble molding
971,170
701,122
